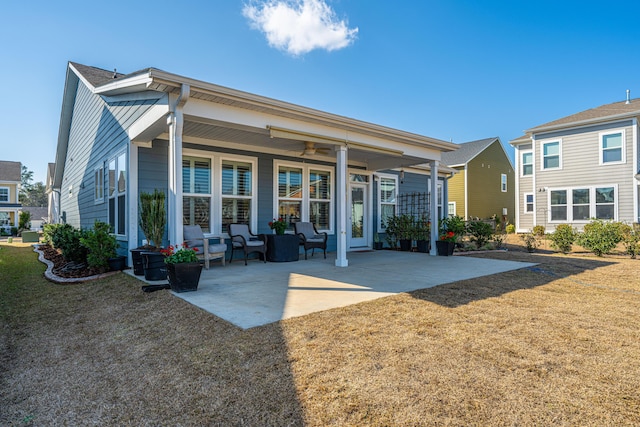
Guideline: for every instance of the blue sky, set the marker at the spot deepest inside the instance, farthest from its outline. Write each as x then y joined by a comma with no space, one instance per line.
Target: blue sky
454,70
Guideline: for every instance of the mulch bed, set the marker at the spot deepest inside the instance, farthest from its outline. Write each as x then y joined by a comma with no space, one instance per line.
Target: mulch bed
66,269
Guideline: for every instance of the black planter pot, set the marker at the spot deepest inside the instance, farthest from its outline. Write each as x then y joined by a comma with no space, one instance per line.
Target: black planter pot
423,245
405,244
136,258
377,245
184,277
118,263
154,266
445,248
283,247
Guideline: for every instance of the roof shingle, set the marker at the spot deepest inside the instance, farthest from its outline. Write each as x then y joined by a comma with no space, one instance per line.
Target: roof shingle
466,152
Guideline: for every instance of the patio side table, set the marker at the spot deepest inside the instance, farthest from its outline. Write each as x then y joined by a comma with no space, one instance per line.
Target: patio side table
283,248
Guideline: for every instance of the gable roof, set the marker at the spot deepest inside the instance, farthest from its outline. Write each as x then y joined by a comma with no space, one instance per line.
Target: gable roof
96,76
467,151
37,212
603,113
10,171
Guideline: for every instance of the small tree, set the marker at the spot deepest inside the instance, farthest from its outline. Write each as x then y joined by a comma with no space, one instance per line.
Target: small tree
24,220
101,245
153,216
479,232
563,237
631,238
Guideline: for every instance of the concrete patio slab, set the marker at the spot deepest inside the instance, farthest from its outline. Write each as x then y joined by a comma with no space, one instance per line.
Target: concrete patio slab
259,293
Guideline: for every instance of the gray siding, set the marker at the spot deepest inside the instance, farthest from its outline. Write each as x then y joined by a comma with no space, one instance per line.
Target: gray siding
97,133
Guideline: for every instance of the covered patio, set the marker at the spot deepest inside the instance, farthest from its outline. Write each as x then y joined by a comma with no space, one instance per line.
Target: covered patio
258,294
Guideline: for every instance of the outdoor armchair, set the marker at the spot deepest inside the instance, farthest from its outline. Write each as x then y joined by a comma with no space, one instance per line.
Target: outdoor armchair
242,238
310,238
194,238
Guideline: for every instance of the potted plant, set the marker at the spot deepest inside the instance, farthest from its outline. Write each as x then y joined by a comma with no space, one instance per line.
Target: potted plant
446,243
405,231
391,230
279,225
152,220
183,268
377,244
423,234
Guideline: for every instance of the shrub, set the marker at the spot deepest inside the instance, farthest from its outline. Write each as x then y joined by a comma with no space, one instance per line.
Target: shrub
563,237
530,241
498,240
455,224
539,230
66,238
510,228
600,237
479,232
48,233
100,244
631,238
153,216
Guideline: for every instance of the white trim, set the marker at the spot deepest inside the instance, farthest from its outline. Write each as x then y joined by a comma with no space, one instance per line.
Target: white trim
378,227
623,155
542,145
466,193
634,144
305,200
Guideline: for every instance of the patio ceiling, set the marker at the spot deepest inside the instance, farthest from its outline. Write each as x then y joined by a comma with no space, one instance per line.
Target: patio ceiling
230,135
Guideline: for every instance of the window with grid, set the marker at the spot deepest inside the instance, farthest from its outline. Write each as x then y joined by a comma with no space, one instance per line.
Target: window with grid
527,163
4,194
117,193
551,155
290,194
387,192
237,193
528,203
196,189
611,148
320,198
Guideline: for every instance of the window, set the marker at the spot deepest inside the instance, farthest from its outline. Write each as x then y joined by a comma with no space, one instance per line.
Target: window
304,193
551,155
528,203
583,204
558,205
98,181
5,219
196,192
503,182
387,192
605,203
117,191
612,147
451,211
237,193
527,163
218,190
4,194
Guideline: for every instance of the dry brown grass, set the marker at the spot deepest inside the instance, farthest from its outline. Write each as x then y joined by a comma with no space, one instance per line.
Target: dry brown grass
557,344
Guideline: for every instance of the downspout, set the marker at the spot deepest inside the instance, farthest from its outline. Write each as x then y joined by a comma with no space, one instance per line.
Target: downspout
175,120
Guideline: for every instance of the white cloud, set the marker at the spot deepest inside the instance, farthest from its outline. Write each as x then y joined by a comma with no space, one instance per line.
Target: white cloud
299,26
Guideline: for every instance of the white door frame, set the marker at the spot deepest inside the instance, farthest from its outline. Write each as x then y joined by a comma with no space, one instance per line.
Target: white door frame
368,213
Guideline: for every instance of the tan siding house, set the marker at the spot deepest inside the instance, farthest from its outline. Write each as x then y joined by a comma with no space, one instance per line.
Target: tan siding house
579,167
485,183
10,178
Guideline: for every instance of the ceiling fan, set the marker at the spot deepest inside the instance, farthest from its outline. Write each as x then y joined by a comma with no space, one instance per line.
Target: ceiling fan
310,149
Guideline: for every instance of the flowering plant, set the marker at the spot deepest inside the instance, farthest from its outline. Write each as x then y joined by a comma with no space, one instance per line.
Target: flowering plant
280,225
177,254
448,236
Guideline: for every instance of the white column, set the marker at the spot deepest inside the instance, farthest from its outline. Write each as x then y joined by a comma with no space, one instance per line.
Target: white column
342,186
133,199
433,208
176,125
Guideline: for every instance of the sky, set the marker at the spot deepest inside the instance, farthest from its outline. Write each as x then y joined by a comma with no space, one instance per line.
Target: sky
454,70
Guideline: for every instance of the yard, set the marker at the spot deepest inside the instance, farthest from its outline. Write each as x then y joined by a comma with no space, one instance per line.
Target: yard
556,344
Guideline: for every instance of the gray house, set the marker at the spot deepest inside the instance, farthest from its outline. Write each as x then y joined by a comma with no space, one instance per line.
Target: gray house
579,167
224,156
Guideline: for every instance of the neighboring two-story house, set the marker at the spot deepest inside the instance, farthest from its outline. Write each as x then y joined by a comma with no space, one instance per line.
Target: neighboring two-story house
10,178
484,183
579,167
